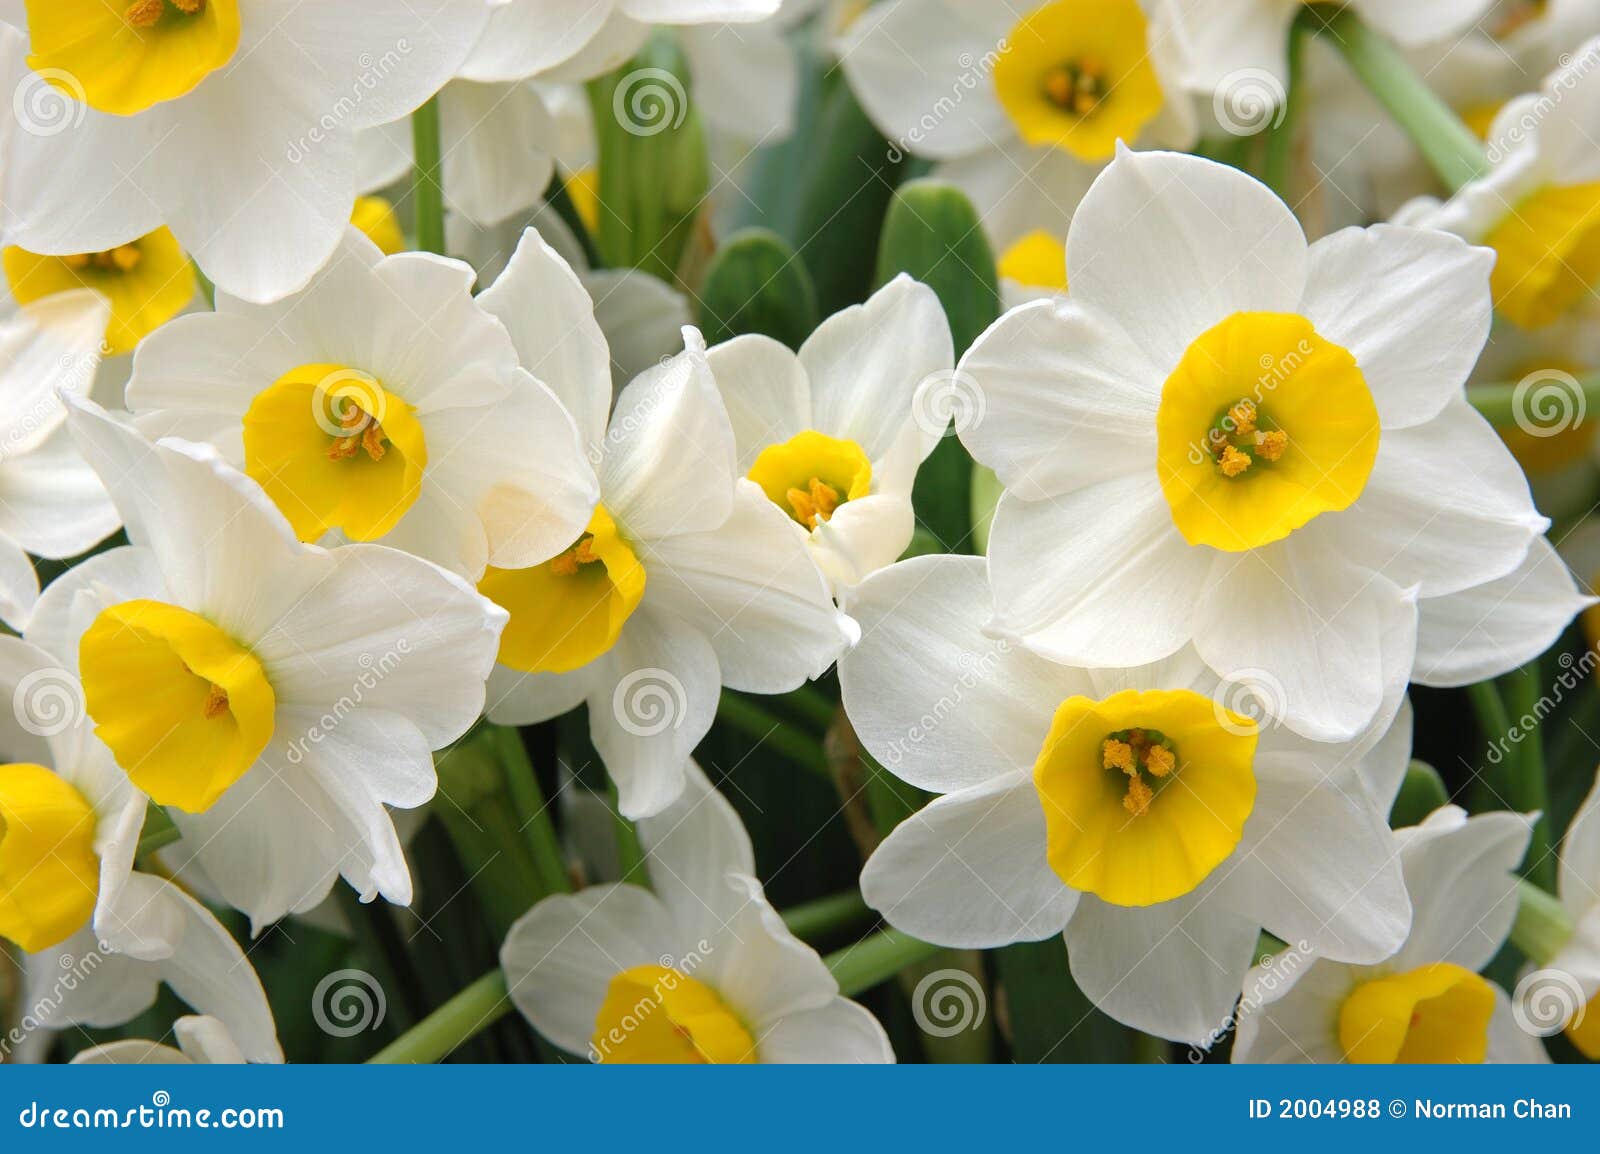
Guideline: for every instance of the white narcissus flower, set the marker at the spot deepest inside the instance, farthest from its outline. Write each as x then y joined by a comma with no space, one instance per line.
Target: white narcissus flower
378,404
699,968
51,503
275,696
1428,1002
499,144
1020,105
1538,206
686,580
529,37
1138,811
1227,38
1227,438
98,938
1578,885
202,1041
834,435
232,123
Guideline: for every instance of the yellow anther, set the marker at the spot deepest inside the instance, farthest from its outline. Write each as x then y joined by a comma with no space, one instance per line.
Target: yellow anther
1270,445
1243,416
1076,87
814,503
78,261
216,703
1233,462
144,13
1117,755
1059,86
189,7
582,553
364,433
124,258
1158,759
1138,797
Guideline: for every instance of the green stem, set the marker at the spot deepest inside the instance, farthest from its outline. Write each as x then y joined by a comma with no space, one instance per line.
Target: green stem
560,201
811,705
630,854
1548,401
464,1016
1447,144
875,960
1149,1050
1278,165
1526,785
1542,926
533,812
754,721
158,832
427,183
824,916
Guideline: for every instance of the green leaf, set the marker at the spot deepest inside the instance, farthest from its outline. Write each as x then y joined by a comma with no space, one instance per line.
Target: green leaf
1050,1018
933,233
841,208
757,284
1422,792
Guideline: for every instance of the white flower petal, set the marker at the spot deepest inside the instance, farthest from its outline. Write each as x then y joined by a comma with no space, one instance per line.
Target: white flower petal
668,464
561,956
1460,872
1098,576
751,588
766,391
652,699
1317,864
1171,244
1172,970
1487,630
1065,400
1412,305
934,699
692,847
969,870
498,139
838,1033
1290,1010
552,323
871,363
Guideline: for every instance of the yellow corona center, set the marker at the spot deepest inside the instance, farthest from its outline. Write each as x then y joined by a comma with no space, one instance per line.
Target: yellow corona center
653,1015
334,449
1549,254
1583,1031
374,218
147,281
185,708
1435,1013
1077,75
49,872
1038,260
1144,793
569,610
811,474
124,56
1263,426
583,189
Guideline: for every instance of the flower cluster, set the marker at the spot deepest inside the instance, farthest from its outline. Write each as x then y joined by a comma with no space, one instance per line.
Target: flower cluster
1102,528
